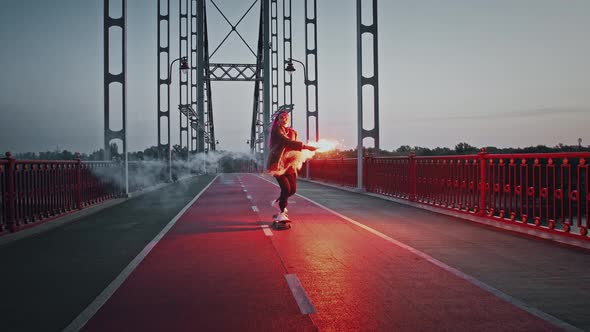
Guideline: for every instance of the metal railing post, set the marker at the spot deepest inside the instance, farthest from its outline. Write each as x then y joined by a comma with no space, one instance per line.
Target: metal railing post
365,174
10,194
413,180
481,211
78,182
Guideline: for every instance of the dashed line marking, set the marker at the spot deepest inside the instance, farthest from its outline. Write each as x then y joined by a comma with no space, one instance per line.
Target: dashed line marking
266,230
300,295
254,208
249,197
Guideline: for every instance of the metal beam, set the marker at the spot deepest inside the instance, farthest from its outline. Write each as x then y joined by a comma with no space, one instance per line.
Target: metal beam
287,54
183,91
266,77
311,61
193,75
163,110
232,72
257,129
274,56
362,81
209,128
200,75
120,78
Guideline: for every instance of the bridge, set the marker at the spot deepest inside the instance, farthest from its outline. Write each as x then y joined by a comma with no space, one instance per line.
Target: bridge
475,242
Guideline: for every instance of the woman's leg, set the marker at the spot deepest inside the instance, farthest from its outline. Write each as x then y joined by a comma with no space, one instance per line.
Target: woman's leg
292,178
285,190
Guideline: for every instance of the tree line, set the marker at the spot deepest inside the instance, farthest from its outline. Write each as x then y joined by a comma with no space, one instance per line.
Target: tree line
460,149
152,153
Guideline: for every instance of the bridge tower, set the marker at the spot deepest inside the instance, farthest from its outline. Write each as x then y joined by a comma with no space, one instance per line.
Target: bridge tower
119,80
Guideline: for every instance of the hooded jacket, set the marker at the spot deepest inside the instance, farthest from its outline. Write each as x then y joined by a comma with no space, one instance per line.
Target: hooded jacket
282,141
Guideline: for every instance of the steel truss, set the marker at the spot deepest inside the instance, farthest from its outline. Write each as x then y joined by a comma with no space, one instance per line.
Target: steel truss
232,72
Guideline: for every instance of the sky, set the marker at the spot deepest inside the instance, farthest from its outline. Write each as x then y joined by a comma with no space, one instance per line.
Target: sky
490,73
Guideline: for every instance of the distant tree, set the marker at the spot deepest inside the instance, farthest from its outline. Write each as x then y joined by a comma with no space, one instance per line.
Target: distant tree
115,151
438,151
421,151
465,148
153,153
96,155
26,156
179,153
66,155
403,150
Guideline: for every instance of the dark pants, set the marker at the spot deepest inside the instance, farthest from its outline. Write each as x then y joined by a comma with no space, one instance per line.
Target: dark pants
288,184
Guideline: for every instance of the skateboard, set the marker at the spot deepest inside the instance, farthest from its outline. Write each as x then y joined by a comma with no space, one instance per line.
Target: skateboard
286,224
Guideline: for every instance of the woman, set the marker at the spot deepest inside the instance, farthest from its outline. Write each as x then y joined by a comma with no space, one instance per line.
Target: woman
284,159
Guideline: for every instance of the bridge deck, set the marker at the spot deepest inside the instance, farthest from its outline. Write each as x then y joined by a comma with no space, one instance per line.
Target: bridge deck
373,265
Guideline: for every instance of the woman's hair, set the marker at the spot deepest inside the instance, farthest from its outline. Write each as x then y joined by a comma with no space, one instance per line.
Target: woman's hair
275,122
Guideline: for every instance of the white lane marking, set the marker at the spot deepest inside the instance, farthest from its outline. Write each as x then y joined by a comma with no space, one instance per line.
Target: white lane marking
266,230
83,318
300,295
528,308
249,197
245,190
254,208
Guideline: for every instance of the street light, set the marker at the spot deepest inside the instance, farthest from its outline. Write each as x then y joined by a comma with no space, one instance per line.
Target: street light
290,69
184,67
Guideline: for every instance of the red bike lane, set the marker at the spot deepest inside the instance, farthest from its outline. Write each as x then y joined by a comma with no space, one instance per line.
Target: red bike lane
215,270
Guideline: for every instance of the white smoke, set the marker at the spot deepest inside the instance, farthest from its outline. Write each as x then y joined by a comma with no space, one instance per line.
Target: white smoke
148,173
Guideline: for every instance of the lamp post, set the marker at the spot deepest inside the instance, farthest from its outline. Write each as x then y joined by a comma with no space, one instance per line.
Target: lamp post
184,67
290,69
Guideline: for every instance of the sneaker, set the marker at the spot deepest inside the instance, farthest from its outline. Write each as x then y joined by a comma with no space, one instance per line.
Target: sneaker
282,217
275,204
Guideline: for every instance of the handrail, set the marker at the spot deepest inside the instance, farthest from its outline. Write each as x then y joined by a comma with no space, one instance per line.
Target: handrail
546,191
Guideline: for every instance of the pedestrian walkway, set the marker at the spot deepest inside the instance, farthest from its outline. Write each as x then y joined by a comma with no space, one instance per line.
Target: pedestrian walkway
49,278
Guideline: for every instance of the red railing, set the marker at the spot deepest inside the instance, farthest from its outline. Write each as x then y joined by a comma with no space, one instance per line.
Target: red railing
388,176
34,191
340,171
547,191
